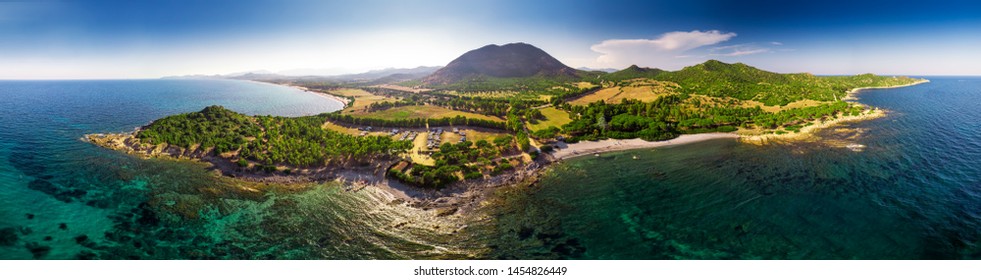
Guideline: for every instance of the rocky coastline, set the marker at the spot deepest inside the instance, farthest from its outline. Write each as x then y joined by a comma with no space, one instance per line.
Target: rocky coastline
456,198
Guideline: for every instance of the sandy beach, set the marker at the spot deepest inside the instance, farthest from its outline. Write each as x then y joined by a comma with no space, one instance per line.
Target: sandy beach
609,145
344,101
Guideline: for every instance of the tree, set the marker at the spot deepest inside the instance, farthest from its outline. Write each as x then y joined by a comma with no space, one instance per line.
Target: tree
601,121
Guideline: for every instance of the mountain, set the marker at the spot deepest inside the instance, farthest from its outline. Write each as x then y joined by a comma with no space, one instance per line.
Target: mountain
633,72
516,60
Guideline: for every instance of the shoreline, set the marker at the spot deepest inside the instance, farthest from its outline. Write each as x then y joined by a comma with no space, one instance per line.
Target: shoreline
850,94
344,101
611,145
808,132
460,197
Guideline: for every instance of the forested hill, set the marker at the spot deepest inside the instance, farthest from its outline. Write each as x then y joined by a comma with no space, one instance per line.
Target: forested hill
265,140
741,81
633,72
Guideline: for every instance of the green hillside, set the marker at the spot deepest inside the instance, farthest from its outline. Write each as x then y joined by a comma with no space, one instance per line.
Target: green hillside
266,140
741,81
633,72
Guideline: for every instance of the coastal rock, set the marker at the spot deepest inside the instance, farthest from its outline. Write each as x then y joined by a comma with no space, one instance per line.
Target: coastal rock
443,212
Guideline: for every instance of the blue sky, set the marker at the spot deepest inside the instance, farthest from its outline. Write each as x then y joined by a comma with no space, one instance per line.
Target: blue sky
148,39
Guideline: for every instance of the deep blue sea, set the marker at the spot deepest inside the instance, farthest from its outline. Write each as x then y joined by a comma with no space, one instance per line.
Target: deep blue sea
911,190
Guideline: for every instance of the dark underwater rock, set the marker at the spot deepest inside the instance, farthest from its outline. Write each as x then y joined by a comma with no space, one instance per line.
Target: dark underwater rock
38,250
8,236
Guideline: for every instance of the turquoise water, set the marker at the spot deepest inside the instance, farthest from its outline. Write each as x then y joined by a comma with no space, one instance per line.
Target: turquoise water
912,192
49,178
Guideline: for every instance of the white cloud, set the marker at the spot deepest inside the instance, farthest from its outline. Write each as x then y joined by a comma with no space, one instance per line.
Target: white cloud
737,50
666,51
776,43
744,52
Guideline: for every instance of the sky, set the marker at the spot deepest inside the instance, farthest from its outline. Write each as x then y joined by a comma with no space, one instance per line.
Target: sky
51,39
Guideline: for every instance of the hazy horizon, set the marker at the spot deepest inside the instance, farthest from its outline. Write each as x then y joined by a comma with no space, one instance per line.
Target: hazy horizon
122,40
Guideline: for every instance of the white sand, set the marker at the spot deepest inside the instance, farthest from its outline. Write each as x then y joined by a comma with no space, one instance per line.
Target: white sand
343,100
609,145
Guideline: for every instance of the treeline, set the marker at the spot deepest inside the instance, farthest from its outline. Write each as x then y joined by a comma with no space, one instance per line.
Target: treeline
487,83
797,116
484,105
413,122
573,94
663,118
384,105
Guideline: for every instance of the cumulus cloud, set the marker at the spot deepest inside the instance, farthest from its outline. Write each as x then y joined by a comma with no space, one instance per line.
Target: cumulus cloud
666,51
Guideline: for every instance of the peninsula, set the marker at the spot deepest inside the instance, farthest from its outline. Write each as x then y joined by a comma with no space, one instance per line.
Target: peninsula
497,114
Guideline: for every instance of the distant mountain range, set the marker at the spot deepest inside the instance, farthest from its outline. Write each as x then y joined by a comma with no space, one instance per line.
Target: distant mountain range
388,75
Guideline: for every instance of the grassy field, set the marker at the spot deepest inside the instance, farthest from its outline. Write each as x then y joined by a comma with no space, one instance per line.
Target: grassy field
426,111
472,136
341,129
417,146
791,105
583,85
638,89
553,117
361,99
